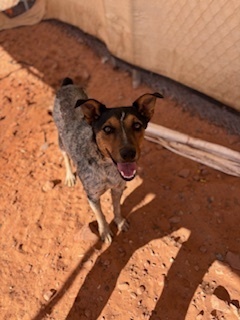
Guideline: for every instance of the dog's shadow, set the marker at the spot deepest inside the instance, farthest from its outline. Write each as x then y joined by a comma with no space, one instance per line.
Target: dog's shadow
145,226
140,234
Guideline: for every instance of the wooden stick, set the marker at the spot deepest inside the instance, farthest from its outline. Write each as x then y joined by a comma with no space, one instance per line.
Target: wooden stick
210,154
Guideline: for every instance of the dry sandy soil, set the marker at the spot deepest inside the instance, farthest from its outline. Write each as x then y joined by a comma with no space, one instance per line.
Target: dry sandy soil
180,258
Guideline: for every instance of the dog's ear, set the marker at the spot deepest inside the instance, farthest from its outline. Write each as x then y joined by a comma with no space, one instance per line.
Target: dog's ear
91,108
146,103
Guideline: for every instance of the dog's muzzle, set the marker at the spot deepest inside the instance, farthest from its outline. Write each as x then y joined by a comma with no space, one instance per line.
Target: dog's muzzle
127,168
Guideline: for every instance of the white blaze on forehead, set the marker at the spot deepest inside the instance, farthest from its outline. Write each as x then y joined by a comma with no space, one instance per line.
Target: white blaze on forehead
122,116
122,126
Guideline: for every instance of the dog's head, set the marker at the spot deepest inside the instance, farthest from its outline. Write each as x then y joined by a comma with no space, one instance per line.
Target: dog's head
119,131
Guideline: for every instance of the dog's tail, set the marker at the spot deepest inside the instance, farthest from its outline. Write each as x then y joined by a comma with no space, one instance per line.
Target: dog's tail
67,81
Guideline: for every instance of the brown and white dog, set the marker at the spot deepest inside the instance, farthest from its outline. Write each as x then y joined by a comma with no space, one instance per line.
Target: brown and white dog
104,144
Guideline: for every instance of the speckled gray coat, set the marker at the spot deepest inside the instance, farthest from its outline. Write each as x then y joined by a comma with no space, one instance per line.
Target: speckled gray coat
76,138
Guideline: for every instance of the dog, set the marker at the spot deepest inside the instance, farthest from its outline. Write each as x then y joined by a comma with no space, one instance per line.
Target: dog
103,143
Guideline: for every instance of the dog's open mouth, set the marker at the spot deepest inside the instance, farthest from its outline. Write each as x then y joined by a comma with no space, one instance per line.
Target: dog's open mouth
127,170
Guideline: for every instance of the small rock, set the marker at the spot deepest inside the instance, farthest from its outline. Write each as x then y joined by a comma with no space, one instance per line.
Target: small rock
44,147
219,304
49,294
48,186
196,267
210,199
87,313
133,295
123,286
147,264
203,249
141,289
50,110
174,219
106,263
219,257
184,173
204,172
233,259
218,268
200,315
196,178
104,59
235,310
28,268
88,264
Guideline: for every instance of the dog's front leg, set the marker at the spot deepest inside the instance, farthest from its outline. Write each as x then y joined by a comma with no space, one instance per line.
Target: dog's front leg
70,179
121,222
104,230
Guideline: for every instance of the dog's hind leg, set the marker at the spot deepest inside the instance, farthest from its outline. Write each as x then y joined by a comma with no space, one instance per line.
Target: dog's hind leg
103,228
121,222
70,178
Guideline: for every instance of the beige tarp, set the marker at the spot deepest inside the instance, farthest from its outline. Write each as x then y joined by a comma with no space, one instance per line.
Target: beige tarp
196,43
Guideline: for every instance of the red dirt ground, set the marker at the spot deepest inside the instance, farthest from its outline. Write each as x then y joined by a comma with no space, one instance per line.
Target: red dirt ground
181,257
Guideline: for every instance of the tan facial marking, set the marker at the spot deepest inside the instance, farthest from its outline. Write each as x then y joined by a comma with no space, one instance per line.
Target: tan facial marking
124,134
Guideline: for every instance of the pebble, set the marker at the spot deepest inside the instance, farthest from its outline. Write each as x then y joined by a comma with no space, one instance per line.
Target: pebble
123,286
196,178
200,315
133,295
141,289
88,264
44,147
174,219
204,172
106,263
104,59
196,267
233,259
184,173
87,313
147,264
49,294
203,249
218,268
28,268
219,256
48,186
219,304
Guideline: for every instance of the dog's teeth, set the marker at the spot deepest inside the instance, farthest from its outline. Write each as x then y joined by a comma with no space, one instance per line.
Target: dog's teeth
128,177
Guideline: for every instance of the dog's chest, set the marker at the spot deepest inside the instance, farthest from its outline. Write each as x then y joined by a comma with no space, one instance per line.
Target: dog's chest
98,177
113,178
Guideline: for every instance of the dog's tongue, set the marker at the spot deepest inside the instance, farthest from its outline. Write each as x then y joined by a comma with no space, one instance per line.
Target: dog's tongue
127,170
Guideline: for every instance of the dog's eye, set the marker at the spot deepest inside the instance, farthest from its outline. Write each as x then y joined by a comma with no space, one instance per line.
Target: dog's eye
108,129
137,126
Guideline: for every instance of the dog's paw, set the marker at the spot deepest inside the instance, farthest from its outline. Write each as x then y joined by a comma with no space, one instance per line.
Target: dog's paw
106,235
70,179
122,224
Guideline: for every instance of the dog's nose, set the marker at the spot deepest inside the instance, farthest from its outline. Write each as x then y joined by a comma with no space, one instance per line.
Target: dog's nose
128,153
